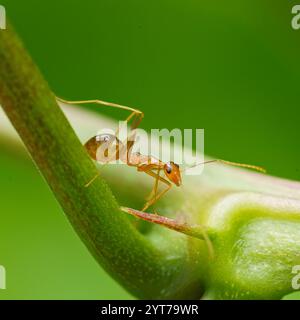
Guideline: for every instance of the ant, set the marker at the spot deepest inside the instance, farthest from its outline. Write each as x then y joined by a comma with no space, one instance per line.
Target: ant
100,146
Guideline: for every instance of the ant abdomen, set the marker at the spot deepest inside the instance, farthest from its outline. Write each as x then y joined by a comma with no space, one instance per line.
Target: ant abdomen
104,147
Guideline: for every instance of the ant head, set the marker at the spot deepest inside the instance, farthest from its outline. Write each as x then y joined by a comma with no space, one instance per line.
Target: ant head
172,172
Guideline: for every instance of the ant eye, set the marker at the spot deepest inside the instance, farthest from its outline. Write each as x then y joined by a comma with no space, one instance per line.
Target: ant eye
168,168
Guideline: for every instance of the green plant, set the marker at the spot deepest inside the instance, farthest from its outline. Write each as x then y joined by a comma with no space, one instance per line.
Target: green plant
251,220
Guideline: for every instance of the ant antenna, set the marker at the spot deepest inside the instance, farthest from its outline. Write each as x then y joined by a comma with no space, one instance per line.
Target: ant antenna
236,164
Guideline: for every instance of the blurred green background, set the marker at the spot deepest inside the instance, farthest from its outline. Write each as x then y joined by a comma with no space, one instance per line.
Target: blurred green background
229,67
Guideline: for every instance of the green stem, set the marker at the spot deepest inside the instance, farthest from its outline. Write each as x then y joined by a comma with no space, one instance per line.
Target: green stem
93,212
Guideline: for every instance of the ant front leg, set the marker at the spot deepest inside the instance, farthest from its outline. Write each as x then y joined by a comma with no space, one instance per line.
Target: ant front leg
153,192
156,196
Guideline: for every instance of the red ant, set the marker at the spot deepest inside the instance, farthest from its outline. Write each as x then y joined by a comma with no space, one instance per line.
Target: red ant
100,146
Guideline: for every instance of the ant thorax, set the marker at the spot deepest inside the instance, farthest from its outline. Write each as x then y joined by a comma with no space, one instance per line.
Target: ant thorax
137,159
